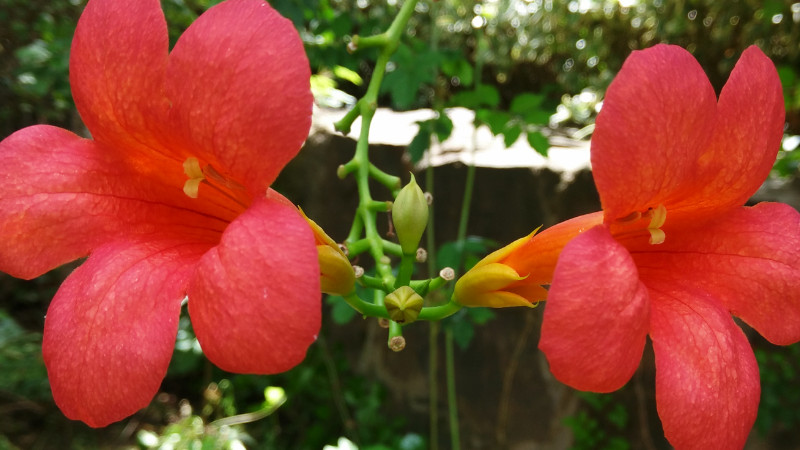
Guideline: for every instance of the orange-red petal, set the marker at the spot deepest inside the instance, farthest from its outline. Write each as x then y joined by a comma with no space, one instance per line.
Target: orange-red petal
749,260
596,316
111,327
238,82
535,256
117,63
707,383
747,135
255,299
61,196
657,119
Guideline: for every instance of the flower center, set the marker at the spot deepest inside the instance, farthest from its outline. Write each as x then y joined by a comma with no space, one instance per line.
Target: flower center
209,176
655,217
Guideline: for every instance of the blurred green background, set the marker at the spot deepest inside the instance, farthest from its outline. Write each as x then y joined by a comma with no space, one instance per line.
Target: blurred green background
521,65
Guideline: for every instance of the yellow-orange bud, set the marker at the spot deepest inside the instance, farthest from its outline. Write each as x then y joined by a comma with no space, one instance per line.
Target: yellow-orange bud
337,276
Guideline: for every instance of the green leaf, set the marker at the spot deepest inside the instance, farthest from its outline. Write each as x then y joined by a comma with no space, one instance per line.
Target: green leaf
511,134
442,126
463,332
458,67
771,8
483,95
526,103
414,67
450,253
539,142
480,315
538,117
495,120
420,143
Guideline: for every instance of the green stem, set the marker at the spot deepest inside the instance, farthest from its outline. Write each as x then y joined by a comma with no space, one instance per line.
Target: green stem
363,170
433,382
372,283
439,312
466,203
390,181
452,402
357,247
405,271
366,308
423,287
346,123
396,340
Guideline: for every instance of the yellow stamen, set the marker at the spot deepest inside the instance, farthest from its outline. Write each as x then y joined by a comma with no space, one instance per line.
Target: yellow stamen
199,174
192,187
658,217
191,167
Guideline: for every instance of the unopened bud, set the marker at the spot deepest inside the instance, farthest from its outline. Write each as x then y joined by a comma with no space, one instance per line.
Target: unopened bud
422,255
359,271
410,216
337,276
403,305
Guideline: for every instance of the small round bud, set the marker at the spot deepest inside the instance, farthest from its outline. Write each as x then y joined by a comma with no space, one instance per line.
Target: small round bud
422,255
410,216
447,274
397,343
403,305
385,260
359,271
341,171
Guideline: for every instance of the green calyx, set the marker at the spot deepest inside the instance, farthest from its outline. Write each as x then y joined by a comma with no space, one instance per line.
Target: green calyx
403,305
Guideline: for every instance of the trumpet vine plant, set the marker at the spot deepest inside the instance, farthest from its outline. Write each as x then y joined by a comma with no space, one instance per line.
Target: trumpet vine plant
170,200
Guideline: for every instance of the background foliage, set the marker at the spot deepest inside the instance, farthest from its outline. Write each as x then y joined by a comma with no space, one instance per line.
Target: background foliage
522,65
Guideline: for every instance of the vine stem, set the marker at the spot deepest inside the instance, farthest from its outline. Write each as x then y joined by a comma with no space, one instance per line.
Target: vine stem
362,168
450,369
466,204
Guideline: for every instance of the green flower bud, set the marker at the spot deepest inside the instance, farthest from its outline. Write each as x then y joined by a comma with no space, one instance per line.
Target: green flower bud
410,216
403,305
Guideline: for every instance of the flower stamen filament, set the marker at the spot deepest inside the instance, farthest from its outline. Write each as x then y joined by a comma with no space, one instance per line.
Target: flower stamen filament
209,176
635,223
